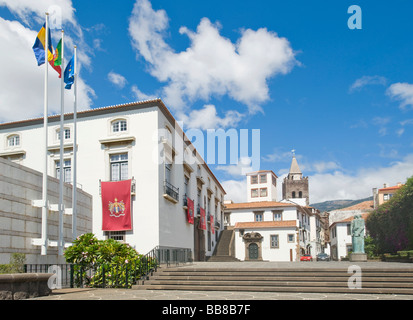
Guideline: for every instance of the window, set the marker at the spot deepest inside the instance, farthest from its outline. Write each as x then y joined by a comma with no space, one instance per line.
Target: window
290,237
263,178
13,140
254,193
277,215
119,167
170,191
300,194
66,133
67,170
119,126
263,192
274,181
254,179
293,194
116,235
348,229
186,183
168,168
274,241
258,216
387,196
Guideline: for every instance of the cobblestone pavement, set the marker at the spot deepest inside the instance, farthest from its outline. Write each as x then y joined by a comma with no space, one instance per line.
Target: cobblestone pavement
129,294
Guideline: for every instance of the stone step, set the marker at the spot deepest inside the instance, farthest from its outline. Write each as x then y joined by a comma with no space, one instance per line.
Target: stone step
285,278
373,280
280,274
271,283
222,258
319,289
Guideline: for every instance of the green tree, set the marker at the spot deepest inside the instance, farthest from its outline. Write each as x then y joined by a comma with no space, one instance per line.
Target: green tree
391,224
109,262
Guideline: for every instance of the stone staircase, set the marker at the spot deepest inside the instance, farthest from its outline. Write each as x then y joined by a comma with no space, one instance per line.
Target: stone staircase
318,280
223,249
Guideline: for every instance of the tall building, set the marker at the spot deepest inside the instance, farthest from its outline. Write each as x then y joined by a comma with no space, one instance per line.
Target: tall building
295,186
138,141
261,186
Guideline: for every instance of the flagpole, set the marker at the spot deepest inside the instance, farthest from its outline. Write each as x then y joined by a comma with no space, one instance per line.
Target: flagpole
45,205
74,196
62,136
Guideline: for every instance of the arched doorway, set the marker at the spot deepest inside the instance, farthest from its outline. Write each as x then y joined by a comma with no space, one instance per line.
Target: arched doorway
253,251
253,246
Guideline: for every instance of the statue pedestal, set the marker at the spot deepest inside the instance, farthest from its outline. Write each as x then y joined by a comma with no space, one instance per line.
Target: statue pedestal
358,257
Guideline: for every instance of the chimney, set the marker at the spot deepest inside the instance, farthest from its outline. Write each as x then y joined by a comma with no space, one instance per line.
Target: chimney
385,185
399,184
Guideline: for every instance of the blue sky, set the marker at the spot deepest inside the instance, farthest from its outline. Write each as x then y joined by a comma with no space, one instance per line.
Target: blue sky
342,98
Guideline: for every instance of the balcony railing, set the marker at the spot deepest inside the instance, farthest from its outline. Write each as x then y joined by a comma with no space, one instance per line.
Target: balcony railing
171,190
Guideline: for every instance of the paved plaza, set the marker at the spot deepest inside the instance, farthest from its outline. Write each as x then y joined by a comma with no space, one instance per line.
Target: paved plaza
129,294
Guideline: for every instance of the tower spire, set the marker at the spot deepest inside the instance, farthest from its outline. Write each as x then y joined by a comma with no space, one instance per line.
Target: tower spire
294,168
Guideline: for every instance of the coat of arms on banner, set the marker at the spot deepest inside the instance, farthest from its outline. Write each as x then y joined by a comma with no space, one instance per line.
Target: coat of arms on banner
116,208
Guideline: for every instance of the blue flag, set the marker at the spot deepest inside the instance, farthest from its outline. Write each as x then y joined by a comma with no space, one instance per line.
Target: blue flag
40,43
69,75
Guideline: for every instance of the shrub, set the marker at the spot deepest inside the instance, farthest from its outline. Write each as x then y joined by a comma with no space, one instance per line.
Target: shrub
16,264
106,263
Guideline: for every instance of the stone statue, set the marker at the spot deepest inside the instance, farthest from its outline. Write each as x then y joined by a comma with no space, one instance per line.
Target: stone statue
357,234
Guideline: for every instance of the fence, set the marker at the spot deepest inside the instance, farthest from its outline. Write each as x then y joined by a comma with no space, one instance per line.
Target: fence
111,275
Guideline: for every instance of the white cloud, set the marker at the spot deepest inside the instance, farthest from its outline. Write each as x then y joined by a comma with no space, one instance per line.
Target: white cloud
339,185
381,122
25,9
212,65
207,118
243,166
367,80
21,80
403,92
277,156
139,95
236,190
117,79
323,166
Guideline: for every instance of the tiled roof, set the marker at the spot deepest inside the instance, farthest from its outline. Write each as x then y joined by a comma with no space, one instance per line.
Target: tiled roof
257,205
366,205
390,188
265,224
349,219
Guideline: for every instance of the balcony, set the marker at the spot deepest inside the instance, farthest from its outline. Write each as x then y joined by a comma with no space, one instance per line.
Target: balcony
171,193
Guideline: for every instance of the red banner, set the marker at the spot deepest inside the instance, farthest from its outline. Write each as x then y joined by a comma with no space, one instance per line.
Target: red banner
190,211
212,224
202,221
116,205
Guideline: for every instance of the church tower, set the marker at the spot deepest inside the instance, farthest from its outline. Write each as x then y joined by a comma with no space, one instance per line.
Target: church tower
295,186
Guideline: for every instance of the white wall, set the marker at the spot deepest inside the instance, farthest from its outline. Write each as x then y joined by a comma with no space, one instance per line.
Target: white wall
156,221
341,240
248,215
282,253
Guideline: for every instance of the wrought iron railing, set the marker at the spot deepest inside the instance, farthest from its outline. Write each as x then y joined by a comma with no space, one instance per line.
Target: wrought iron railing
114,276
171,190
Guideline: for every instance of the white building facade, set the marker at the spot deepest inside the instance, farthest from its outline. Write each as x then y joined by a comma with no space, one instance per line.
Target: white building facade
261,186
340,237
139,141
274,231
